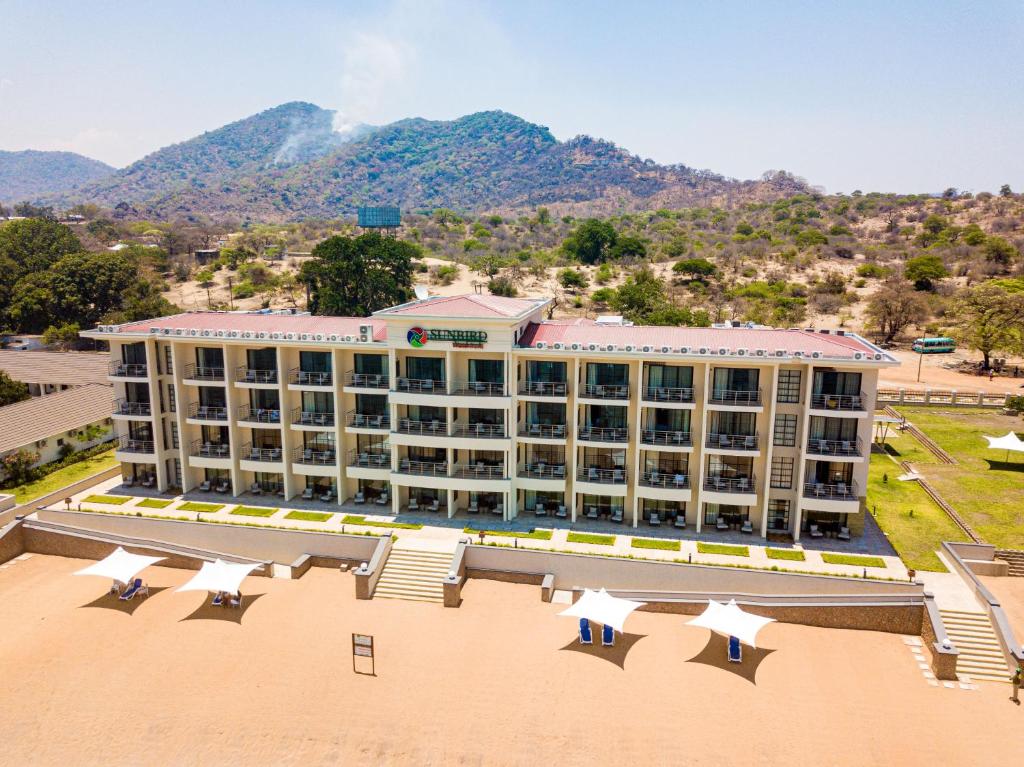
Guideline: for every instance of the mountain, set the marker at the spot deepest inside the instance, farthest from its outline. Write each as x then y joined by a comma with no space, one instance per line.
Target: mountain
31,174
288,163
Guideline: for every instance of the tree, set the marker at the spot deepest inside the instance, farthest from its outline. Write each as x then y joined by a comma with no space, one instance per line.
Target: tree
990,318
543,216
695,268
502,286
999,251
12,391
628,248
590,242
924,270
642,299
1005,191
355,276
17,466
28,246
572,279
895,306
64,337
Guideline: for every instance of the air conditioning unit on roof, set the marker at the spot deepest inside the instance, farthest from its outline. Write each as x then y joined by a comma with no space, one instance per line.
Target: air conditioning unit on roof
647,348
723,350
816,355
665,349
557,345
858,356
575,347
630,348
366,332
684,349
610,347
741,352
761,352
780,352
702,350
592,347
290,336
878,356
541,345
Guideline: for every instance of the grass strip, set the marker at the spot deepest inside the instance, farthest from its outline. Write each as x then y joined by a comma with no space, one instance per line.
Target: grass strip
852,559
538,535
204,507
655,543
356,519
112,500
308,516
723,549
254,511
596,540
793,555
154,503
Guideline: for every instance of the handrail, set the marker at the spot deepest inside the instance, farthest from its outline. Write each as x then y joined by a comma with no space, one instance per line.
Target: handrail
319,456
604,476
210,449
541,470
739,397
194,372
367,380
478,471
849,402
421,385
126,407
839,491
369,420
666,437
272,454
603,434
605,391
424,468
676,478
544,388
301,377
482,430
733,441
543,430
837,447
371,459
128,444
722,484
246,374
207,412
432,427
668,394
312,418
258,414
127,369
479,388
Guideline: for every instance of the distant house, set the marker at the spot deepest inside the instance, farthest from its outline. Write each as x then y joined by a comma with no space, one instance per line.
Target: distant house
50,372
207,256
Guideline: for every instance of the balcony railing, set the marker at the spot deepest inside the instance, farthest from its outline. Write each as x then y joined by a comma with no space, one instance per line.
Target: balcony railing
542,470
732,441
271,454
126,444
722,484
668,394
666,437
369,420
207,412
127,369
367,380
312,418
839,491
370,459
478,430
840,402
603,434
545,430
605,391
258,414
544,388
739,397
478,471
844,448
604,476
125,407
310,378
421,385
315,456
210,449
479,389
435,428
194,372
668,477
423,468
249,375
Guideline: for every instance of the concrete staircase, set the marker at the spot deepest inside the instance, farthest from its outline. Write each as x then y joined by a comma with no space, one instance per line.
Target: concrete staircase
980,658
1014,558
414,575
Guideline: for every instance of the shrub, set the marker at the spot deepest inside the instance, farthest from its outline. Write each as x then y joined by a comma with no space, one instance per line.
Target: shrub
872,271
793,555
207,508
591,538
852,559
502,286
308,516
572,279
114,500
655,543
723,549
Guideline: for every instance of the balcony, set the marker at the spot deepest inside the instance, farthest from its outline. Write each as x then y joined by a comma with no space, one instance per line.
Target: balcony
543,430
667,437
732,441
297,377
201,449
479,389
850,403
207,412
370,459
315,456
603,434
605,391
268,454
421,386
834,448
409,426
126,444
603,476
722,484
367,380
479,430
668,478
735,397
258,414
542,470
478,471
423,468
126,407
120,369
247,375
369,420
302,417
544,388
194,372
668,394
839,491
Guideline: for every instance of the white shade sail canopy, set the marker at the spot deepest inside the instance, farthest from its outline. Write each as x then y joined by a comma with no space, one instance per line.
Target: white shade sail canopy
1009,441
730,620
219,576
601,607
120,565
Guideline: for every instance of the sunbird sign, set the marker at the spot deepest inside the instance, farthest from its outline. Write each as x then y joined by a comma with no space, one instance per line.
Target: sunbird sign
418,337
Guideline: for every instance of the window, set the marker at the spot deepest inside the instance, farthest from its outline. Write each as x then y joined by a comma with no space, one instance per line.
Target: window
778,514
60,442
789,386
168,358
785,430
174,435
172,402
782,473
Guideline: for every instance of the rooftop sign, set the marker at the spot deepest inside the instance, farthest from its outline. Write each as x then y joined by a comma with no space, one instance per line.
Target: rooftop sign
418,337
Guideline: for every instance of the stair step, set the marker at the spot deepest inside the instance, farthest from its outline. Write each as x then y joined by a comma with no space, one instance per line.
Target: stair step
410,598
405,588
399,578
967,665
431,570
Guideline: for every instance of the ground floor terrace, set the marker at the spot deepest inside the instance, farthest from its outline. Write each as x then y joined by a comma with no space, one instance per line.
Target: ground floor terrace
500,681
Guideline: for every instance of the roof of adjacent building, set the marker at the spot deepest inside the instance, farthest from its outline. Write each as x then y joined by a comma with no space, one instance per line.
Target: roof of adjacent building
260,322
25,423
68,368
473,305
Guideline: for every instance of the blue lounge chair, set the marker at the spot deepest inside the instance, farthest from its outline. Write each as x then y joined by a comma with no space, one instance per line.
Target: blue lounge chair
735,650
586,636
607,636
219,599
132,590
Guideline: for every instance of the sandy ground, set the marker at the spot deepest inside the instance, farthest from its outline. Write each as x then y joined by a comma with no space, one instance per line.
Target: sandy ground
497,682
935,375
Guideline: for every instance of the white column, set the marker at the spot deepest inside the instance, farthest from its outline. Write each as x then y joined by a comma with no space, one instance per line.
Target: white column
805,404
699,436
635,412
181,400
770,440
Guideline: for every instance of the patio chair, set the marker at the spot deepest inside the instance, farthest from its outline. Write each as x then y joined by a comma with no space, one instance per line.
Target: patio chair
218,599
822,446
592,474
721,524
382,499
841,489
586,636
847,448
843,534
540,511
131,591
223,486
743,484
255,488
680,521
560,430
618,475
748,443
735,650
653,478
148,482
591,512
607,636
307,494
655,520
474,507
680,480
560,471
816,533
723,440
328,496
534,429
561,513
498,510
747,526
359,497
819,489
435,505
205,486
127,481
616,515
414,505
234,600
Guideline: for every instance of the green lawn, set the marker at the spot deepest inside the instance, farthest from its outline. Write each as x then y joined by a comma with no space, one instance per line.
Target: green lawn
852,559
793,555
254,511
987,491
308,516
722,548
154,503
597,540
111,500
204,507
655,543
356,519
63,477
538,535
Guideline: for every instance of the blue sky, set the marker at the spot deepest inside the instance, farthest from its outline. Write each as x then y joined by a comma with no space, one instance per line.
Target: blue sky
887,96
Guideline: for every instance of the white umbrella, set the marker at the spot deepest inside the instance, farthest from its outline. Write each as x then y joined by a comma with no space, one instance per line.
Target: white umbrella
730,620
601,607
219,576
1009,441
120,566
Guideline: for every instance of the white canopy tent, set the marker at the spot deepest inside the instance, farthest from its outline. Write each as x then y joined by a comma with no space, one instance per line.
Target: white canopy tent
1009,441
120,566
601,607
730,620
219,576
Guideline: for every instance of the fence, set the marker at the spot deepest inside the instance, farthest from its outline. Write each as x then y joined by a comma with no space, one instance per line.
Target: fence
947,397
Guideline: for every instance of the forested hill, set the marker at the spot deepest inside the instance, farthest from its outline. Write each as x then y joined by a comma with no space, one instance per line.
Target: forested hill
288,164
30,174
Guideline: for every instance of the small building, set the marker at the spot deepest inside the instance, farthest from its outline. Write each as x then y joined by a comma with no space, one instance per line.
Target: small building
49,372
207,256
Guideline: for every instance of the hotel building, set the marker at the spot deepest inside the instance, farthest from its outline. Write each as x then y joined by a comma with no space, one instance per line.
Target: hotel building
478,405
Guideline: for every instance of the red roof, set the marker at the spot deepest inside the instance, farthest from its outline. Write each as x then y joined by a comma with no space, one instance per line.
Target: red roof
253,321
470,305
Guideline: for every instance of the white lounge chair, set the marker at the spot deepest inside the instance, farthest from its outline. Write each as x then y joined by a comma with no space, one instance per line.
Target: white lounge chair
847,448
721,524
844,534
816,533
307,494
655,520
561,513
383,500
747,526
591,512
255,488
680,521
328,496
127,481
359,497
435,505
680,480
616,515
205,485
414,505
474,507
